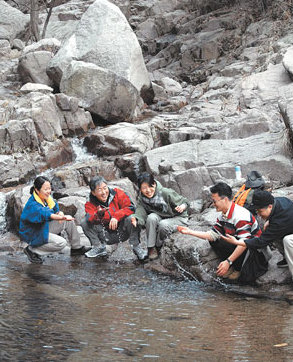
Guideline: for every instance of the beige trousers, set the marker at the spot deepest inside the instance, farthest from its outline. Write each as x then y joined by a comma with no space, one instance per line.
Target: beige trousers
57,243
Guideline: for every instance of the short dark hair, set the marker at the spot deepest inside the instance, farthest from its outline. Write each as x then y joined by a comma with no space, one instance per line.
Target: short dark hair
96,181
222,189
147,178
38,183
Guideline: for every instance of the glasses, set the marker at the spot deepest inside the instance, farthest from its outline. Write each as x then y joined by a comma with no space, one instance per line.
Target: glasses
216,201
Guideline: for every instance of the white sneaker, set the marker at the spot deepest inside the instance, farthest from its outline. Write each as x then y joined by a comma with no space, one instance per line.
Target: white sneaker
96,251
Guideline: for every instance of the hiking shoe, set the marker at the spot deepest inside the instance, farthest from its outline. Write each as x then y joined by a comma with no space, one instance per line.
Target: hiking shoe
153,253
80,251
139,252
96,251
33,257
235,275
282,264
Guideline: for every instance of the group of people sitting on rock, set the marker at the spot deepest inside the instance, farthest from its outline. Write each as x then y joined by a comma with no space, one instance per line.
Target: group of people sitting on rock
111,217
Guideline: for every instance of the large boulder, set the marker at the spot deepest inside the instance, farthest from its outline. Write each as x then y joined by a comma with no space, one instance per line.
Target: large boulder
102,92
220,157
12,21
120,139
103,37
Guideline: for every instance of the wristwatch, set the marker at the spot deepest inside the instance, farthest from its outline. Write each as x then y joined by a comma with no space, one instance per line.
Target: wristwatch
229,261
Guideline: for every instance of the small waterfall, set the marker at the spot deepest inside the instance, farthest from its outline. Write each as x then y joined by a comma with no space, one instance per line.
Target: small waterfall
80,151
3,207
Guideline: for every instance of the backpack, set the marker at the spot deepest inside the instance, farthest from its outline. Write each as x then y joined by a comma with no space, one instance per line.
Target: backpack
243,196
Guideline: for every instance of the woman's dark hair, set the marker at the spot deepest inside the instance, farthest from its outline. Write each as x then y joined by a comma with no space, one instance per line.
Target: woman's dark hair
38,183
222,189
147,178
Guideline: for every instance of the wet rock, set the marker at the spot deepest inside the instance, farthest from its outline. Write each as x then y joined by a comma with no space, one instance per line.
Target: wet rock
96,86
15,169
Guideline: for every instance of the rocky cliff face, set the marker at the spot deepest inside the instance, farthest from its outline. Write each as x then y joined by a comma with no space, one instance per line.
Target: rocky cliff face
217,93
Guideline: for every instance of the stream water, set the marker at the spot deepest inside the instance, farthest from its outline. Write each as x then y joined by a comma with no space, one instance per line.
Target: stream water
79,309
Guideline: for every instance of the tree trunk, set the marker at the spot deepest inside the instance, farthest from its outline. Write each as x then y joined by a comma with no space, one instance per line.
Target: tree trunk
34,20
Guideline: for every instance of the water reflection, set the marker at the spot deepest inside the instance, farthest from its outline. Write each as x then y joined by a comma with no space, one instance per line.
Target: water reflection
96,311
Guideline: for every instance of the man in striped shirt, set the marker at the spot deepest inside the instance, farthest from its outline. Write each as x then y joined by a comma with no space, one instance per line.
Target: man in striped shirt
234,220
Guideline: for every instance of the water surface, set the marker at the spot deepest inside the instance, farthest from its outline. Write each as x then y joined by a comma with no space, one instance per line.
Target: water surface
82,309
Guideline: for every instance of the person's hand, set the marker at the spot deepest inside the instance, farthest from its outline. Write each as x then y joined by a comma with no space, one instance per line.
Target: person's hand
134,221
68,218
183,229
113,224
223,267
266,224
60,213
230,239
101,212
180,208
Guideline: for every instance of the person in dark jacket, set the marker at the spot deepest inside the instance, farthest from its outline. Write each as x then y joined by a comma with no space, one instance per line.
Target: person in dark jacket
160,210
41,221
108,219
278,213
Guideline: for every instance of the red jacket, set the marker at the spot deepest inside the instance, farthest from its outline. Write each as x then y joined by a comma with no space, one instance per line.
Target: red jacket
119,206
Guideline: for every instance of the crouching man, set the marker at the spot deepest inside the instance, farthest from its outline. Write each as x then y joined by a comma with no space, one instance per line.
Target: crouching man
241,225
278,213
108,219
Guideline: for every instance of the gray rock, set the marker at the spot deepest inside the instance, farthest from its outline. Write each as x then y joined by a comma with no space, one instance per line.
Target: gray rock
96,86
12,21
121,55
35,87
32,67
18,136
120,139
288,63
51,45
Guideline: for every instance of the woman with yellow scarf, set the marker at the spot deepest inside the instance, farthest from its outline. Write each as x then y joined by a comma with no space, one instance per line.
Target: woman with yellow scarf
41,221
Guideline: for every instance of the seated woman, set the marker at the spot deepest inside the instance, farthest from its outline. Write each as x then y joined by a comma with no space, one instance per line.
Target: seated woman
160,210
41,222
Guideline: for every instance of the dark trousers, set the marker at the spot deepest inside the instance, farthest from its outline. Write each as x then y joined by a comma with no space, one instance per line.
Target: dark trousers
99,234
224,250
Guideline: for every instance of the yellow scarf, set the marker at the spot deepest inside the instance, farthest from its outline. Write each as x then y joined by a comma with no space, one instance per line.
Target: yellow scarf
50,201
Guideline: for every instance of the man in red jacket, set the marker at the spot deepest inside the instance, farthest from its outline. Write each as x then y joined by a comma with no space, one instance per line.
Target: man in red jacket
108,219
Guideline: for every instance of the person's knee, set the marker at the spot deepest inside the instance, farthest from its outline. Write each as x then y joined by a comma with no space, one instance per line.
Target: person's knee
84,224
164,229
288,241
152,218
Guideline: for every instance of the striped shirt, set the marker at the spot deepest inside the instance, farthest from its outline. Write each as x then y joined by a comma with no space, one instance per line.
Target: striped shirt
238,222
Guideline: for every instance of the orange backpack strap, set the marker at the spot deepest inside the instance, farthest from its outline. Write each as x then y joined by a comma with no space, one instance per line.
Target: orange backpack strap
242,188
241,196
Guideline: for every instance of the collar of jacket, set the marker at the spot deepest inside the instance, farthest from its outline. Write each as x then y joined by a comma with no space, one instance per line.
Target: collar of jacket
111,196
50,201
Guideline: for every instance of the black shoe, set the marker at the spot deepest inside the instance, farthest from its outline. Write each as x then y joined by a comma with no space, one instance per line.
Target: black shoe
282,264
33,257
80,251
